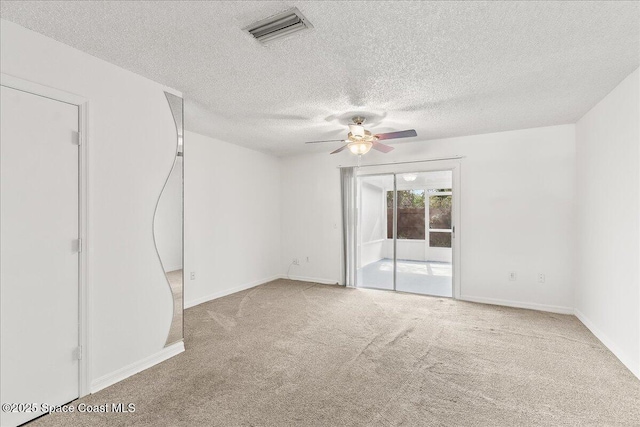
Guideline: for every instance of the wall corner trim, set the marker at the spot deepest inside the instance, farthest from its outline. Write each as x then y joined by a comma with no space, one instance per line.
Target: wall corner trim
136,367
311,279
225,292
627,360
517,304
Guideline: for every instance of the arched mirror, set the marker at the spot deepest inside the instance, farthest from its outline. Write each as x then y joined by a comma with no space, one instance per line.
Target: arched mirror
168,225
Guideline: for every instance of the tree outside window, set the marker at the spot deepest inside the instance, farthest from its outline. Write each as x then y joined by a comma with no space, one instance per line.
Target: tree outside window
411,216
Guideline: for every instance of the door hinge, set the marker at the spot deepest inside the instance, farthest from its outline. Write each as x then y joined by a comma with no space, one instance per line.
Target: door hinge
80,138
77,138
77,353
79,245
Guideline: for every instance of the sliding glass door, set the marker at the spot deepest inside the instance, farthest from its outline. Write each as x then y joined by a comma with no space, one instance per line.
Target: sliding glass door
405,232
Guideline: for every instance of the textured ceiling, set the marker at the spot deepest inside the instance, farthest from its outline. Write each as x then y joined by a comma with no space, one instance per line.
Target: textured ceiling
443,68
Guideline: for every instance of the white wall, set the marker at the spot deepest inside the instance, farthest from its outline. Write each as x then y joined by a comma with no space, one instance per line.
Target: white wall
373,224
370,252
168,221
517,197
131,146
311,217
607,297
232,218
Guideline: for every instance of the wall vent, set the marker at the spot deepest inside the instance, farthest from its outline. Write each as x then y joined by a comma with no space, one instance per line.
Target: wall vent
278,26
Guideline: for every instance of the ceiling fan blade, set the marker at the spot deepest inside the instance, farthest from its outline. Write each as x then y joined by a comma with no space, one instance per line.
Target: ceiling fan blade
339,149
329,140
381,147
394,135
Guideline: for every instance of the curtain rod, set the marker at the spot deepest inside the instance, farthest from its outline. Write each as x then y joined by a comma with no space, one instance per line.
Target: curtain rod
402,163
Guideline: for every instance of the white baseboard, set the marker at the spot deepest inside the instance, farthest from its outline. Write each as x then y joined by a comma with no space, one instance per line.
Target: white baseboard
139,366
517,304
225,292
310,279
633,366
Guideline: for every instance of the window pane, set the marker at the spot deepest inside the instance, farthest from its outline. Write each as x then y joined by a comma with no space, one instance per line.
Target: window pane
440,212
440,239
411,213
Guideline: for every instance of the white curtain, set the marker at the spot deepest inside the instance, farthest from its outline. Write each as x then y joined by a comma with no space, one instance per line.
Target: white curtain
348,184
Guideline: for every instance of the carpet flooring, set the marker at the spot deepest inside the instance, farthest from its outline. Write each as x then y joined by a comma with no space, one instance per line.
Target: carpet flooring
299,354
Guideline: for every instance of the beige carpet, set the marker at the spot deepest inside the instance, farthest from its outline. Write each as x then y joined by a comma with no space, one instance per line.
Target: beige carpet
298,354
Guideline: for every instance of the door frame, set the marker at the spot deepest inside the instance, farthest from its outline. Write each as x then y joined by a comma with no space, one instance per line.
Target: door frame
453,165
84,265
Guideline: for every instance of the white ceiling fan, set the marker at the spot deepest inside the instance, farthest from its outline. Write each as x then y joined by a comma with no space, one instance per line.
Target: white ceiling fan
360,141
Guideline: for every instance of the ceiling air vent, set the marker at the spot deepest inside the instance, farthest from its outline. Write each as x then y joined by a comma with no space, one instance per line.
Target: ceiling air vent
278,26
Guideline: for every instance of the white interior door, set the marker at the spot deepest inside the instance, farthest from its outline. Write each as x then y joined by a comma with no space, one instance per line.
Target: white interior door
38,252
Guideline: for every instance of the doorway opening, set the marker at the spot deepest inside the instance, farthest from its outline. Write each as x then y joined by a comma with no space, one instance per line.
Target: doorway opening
405,232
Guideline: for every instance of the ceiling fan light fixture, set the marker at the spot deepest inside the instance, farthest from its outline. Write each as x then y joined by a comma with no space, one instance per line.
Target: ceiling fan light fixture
360,147
360,141
409,177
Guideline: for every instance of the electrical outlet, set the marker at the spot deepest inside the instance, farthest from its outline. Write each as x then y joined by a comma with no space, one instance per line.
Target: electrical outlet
296,261
192,276
512,276
541,278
